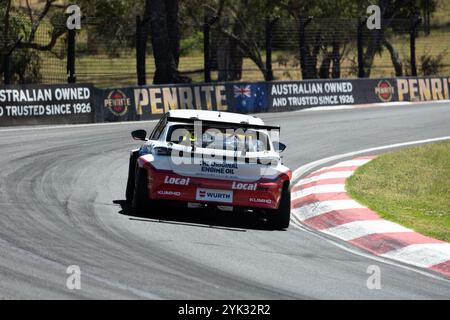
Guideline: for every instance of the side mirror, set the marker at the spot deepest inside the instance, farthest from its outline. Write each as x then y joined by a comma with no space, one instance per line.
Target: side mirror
281,147
139,135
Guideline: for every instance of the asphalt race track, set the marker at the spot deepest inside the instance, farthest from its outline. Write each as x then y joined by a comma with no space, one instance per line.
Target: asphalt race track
62,204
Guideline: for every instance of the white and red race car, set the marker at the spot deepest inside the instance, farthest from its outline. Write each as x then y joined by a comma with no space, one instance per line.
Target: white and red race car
211,159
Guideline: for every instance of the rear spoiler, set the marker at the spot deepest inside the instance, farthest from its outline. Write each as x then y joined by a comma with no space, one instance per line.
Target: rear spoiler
220,124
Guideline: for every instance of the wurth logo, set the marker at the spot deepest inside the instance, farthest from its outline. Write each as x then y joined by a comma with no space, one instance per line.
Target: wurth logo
215,195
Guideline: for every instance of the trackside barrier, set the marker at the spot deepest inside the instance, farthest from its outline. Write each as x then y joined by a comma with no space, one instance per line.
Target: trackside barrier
24,105
148,102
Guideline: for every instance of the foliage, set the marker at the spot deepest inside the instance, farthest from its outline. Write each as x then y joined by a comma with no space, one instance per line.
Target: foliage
25,63
432,65
110,25
192,44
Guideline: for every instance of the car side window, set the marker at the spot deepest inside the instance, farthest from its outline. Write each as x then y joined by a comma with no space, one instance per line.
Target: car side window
159,129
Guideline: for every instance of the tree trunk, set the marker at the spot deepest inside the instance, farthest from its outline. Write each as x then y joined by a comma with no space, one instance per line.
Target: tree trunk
395,58
376,37
336,57
173,28
229,57
374,46
324,72
165,38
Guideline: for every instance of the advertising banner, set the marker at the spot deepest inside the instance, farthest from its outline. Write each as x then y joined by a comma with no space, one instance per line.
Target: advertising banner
150,102
308,94
40,104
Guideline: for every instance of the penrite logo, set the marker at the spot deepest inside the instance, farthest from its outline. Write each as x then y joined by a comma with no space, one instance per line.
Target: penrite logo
385,91
118,103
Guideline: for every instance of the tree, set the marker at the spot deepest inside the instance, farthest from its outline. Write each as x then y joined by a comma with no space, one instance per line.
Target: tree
323,41
165,38
390,11
18,34
237,33
110,24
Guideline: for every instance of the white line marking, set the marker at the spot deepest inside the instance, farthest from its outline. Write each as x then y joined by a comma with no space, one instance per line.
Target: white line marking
318,208
357,229
351,163
422,255
345,164
365,106
327,188
325,176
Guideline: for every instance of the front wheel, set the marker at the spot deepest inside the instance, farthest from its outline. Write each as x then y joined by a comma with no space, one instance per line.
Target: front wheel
280,218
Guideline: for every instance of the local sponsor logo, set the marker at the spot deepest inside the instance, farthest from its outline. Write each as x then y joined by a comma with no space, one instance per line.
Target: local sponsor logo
169,193
221,196
177,181
244,186
258,200
385,91
118,103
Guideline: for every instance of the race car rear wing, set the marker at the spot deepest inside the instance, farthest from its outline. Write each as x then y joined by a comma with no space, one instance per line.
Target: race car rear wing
221,124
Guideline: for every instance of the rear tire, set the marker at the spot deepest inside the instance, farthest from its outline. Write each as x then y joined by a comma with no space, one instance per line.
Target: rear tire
280,218
131,177
141,201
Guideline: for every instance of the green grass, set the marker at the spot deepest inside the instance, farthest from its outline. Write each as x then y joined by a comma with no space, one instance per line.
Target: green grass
410,187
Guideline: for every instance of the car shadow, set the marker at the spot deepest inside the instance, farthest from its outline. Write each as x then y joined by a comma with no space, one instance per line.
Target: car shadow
199,218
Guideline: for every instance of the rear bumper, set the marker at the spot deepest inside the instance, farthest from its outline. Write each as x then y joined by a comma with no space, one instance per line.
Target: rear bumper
167,185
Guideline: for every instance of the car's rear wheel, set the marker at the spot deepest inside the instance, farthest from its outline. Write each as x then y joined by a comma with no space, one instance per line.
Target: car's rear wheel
131,177
141,203
280,218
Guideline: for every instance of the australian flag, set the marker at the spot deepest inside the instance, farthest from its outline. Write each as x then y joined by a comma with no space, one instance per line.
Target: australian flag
250,98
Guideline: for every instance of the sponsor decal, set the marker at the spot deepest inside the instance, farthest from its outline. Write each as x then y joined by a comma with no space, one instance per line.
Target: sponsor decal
118,103
425,89
244,186
212,195
219,168
169,193
385,91
258,200
177,181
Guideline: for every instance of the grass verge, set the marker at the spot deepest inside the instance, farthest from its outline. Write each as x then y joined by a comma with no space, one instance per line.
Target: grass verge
410,187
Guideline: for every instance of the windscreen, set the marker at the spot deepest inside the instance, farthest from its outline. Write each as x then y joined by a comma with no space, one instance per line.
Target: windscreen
234,139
